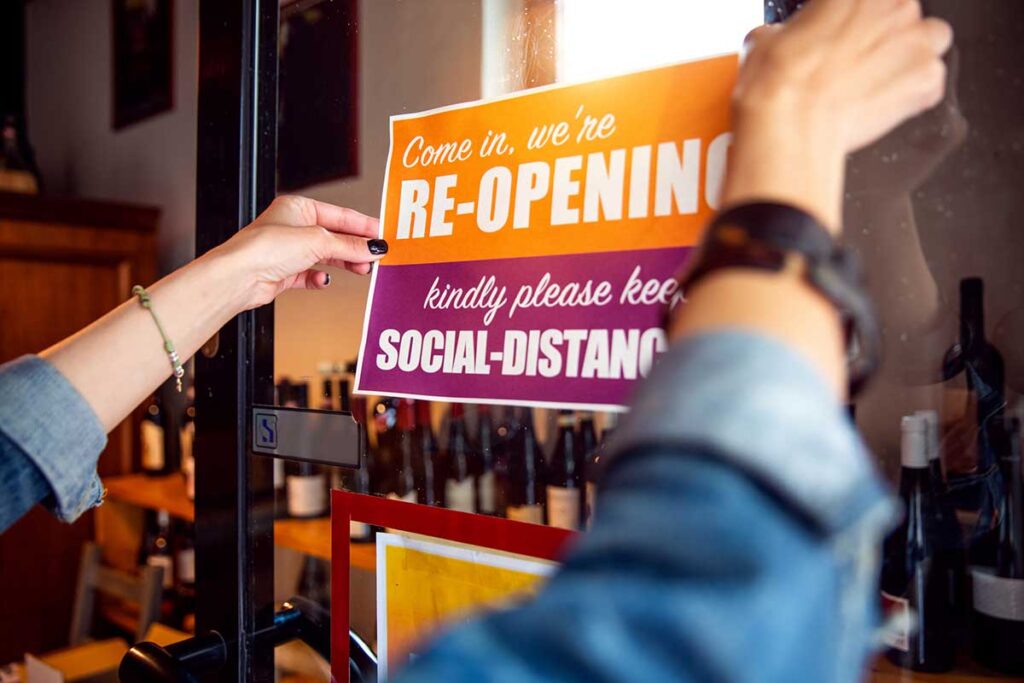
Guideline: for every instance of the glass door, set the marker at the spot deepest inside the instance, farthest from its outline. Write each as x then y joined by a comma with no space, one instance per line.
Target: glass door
296,98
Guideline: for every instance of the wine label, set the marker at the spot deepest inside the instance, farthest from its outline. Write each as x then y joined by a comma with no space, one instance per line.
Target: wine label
997,596
488,493
186,565
896,629
563,507
165,562
152,446
591,494
534,514
458,495
307,496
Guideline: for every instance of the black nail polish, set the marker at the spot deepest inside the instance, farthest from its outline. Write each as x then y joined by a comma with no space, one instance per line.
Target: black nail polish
377,247
327,279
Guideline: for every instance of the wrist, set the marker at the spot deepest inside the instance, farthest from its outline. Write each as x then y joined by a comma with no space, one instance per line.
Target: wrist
783,155
228,278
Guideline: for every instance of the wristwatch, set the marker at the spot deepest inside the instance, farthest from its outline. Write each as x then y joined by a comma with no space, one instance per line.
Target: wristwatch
772,237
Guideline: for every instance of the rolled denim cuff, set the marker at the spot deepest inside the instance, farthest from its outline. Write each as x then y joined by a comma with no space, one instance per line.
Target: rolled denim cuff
758,405
57,430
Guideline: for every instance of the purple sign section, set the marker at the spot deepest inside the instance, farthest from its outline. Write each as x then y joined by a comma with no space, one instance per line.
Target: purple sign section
573,330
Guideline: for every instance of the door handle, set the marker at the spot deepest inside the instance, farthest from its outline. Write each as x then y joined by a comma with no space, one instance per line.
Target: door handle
177,663
300,618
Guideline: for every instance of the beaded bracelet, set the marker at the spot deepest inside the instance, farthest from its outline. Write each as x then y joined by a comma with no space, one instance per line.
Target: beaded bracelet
147,303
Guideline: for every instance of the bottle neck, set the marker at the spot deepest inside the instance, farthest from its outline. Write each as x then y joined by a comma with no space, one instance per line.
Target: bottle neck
972,311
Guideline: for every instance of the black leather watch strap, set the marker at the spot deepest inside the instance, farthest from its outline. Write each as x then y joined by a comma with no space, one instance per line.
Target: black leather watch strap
763,236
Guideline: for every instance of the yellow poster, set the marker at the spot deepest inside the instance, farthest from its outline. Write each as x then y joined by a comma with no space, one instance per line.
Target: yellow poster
423,585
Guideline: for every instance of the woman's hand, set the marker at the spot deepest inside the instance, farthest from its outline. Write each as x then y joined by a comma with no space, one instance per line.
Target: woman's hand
279,249
835,78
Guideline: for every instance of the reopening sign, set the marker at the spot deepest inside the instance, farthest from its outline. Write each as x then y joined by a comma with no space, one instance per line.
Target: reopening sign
534,239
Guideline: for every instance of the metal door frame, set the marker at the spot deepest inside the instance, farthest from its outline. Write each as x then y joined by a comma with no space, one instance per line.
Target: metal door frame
237,128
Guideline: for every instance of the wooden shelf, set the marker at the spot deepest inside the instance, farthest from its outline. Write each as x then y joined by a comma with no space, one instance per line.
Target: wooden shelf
152,493
884,671
309,536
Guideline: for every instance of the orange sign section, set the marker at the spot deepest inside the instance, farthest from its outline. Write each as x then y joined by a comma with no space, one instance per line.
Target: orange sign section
631,162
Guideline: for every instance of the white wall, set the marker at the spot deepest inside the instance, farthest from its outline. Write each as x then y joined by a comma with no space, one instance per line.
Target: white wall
69,83
413,56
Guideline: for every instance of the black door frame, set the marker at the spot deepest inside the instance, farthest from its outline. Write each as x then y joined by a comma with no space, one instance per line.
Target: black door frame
235,181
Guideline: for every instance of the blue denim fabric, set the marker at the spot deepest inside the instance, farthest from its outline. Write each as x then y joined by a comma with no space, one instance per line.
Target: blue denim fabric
46,426
736,539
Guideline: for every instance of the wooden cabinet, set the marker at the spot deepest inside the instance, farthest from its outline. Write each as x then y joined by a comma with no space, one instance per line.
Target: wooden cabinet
63,263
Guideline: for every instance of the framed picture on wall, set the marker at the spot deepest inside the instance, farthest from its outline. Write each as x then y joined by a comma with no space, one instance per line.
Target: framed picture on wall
143,37
318,93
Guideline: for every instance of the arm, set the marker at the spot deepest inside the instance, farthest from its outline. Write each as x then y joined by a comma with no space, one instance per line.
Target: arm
837,77
55,409
739,519
119,360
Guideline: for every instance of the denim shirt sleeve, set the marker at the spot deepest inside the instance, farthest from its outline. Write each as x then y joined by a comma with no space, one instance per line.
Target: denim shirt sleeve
736,539
47,425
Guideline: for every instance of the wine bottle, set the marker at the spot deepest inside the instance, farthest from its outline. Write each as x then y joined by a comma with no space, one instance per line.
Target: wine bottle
526,473
487,493
429,475
933,445
18,171
185,574
504,440
914,573
999,591
153,439
382,444
587,444
564,481
950,542
159,552
588,434
593,466
327,393
404,482
306,482
984,371
459,481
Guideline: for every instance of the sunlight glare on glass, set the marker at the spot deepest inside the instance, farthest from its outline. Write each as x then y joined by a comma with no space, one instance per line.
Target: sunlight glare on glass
598,38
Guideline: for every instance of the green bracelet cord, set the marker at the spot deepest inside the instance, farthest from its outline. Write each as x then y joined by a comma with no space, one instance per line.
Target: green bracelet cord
147,303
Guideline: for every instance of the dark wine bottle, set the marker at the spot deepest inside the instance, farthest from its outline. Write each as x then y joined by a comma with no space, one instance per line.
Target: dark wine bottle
153,439
587,444
459,480
306,483
592,467
915,573
526,473
999,592
159,552
429,468
504,442
18,170
564,483
404,482
487,484
185,574
984,371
